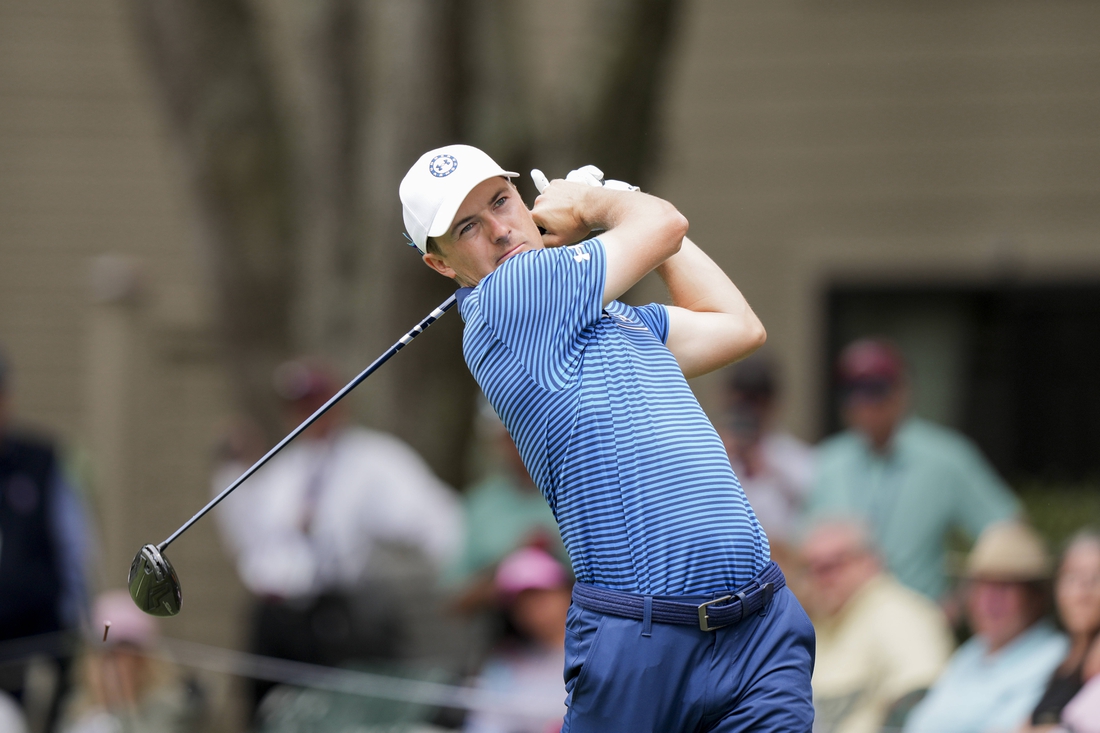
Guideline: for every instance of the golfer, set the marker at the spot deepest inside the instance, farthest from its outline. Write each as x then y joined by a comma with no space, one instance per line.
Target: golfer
679,620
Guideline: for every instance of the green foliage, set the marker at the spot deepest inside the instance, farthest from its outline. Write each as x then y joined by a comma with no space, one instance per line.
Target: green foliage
1059,509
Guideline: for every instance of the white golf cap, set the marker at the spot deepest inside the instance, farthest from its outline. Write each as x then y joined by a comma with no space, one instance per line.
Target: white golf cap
436,186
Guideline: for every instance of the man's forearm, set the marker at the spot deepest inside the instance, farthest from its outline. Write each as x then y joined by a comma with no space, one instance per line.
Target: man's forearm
710,322
696,283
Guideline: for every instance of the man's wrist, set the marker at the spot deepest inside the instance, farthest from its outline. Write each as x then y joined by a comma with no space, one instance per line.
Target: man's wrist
602,208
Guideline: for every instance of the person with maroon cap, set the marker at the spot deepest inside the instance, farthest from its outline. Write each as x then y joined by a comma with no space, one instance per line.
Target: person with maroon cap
911,480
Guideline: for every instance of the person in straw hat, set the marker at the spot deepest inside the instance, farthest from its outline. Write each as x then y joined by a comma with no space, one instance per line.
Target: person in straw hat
994,680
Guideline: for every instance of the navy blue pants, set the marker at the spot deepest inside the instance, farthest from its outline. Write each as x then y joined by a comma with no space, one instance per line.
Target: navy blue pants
752,676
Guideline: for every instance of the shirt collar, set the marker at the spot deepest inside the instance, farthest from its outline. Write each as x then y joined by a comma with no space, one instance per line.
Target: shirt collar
893,448
460,297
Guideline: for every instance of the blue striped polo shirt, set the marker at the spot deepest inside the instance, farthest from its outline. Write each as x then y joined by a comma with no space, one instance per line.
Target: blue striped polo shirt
612,435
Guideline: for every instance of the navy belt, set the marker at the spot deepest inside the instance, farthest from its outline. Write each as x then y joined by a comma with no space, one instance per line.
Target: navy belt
725,610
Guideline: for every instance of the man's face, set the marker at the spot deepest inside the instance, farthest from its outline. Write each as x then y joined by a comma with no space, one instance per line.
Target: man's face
1000,611
875,412
540,613
837,566
491,226
1078,588
299,411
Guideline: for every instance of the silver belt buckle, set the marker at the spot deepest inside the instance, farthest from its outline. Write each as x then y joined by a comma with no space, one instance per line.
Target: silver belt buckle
704,621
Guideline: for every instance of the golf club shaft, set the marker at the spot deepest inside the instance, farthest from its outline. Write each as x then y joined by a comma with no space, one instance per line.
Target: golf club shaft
401,343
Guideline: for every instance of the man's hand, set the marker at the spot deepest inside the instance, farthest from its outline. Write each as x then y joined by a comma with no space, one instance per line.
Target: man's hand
710,323
570,231
593,176
639,231
567,212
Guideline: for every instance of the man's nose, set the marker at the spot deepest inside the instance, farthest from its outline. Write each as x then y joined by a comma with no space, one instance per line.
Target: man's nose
498,229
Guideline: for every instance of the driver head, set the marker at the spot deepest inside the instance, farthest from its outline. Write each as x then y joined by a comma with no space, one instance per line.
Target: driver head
153,583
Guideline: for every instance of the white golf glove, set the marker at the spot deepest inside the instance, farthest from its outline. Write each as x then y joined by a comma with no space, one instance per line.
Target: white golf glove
588,174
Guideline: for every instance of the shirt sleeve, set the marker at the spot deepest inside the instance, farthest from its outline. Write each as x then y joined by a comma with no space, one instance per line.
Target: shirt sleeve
982,497
655,317
541,304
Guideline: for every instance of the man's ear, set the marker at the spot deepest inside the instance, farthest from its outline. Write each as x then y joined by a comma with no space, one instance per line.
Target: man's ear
436,262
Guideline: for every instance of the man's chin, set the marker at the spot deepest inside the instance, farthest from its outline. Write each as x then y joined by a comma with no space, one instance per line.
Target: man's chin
512,253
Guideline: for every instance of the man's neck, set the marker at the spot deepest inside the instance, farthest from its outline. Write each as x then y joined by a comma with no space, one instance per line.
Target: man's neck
883,445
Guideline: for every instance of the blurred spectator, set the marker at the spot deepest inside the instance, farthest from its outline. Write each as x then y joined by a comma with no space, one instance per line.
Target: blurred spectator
307,531
536,592
877,641
995,679
1082,714
121,687
774,467
1077,594
910,479
44,551
503,513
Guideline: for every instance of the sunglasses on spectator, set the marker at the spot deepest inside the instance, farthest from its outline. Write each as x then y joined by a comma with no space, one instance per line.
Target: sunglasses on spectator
872,390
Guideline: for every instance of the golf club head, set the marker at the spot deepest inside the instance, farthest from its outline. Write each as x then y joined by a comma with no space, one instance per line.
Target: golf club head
153,582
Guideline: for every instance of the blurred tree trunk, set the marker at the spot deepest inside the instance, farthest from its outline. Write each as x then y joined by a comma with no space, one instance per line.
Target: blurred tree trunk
218,92
417,71
332,150
304,230
623,134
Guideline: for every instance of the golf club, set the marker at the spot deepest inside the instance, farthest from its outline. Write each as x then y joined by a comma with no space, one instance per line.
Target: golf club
153,582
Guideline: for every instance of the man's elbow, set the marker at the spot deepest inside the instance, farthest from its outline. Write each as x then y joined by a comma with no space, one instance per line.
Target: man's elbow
745,338
753,338
674,229
759,336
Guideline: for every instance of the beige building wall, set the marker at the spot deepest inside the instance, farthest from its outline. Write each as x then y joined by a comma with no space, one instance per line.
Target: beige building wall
111,355
807,142
811,142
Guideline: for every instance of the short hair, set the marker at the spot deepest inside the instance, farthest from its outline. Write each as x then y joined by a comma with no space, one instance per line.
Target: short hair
857,528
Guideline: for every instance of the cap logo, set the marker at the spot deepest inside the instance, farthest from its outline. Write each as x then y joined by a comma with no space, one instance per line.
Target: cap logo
443,165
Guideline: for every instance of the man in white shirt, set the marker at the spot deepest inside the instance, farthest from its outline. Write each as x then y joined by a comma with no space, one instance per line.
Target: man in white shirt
324,520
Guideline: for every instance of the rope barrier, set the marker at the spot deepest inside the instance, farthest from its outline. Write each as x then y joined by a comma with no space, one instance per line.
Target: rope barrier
300,674
352,682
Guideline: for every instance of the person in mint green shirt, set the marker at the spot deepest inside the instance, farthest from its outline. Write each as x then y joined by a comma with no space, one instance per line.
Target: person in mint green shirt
503,512
911,480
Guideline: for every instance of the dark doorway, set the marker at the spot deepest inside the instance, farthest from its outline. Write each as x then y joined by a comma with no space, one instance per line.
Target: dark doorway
1015,367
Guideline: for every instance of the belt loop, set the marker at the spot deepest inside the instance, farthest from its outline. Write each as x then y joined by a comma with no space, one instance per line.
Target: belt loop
767,590
647,616
743,597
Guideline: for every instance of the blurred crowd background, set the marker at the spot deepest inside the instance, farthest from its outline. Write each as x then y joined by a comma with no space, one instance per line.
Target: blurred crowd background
200,241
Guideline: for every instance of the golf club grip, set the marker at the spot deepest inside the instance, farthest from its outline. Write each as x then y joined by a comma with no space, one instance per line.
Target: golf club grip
401,343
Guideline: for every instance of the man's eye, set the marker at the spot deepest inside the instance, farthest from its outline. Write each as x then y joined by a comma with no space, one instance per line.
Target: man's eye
499,202
466,228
